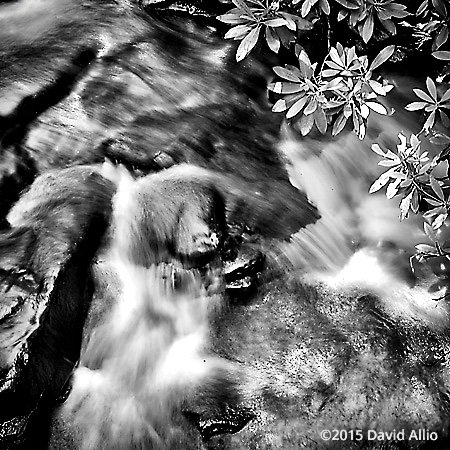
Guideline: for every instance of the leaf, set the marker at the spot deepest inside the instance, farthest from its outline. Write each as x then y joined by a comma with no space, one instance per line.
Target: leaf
311,107
389,26
432,88
306,7
439,221
441,139
296,107
430,121
377,107
422,8
347,4
431,234
320,119
285,87
436,188
272,40
404,206
382,57
325,6
414,201
237,32
306,124
388,163
247,44
277,22
334,55
441,38
288,74
392,189
425,248
434,212
423,95
365,111
231,18
444,119
381,181
414,106
446,96
302,24
339,124
444,55
398,11
342,15
367,29
377,87
377,149
329,73
440,7
285,103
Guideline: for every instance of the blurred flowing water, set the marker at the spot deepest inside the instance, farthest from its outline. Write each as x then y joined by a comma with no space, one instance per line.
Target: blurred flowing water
336,174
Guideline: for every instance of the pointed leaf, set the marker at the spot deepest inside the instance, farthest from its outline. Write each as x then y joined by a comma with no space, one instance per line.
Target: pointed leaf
325,6
446,96
414,106
296,107
430,121
347,4
377,107
404,206
247,44
439,6
423,95
367,29
277,22
377,149
306,124
231,18
320,119
339,124
432,88
272,40
441,38
381,181
237,32
311,107
439,221
392,189
382,57
288,74
444,55
429,232
285,87
436,188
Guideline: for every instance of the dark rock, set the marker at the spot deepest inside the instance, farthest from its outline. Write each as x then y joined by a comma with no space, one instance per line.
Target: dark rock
46,292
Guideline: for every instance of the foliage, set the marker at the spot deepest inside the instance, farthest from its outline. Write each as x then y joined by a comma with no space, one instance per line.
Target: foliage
248,20
362,15
436,26
333,95
326,92
430,103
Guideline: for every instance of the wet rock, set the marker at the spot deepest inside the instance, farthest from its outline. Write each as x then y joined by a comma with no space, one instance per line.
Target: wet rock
46,289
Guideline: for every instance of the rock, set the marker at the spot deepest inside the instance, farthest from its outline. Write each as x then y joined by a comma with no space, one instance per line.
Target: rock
46,291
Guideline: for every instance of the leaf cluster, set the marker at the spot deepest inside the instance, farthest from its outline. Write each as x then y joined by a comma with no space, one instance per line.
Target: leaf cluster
331,96
363,15
248,20
432,104
436,26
